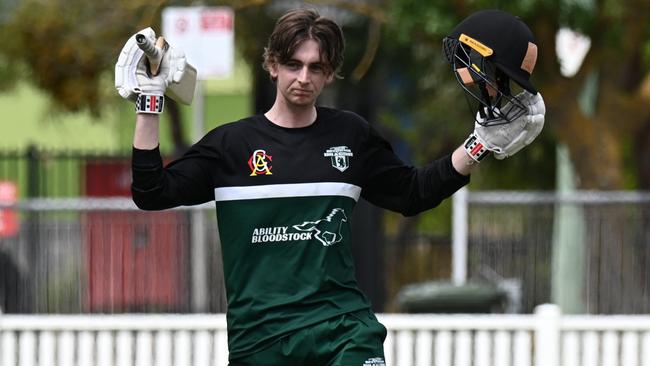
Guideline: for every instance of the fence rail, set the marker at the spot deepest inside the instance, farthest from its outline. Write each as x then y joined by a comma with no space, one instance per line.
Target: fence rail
576,197
103,254
588,248
545,338
86,204
71,255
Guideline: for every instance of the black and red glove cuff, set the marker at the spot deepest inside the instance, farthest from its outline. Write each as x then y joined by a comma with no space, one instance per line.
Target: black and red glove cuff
150,103
476,148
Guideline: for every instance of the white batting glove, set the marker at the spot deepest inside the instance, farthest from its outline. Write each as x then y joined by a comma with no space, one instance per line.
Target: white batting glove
133,80
506,139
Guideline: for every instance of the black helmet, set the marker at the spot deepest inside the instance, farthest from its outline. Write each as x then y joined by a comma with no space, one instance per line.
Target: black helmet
487,50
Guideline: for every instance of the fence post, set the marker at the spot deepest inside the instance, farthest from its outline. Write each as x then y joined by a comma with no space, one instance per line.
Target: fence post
33,158
459,237
200,300
198,245
547,335
32,301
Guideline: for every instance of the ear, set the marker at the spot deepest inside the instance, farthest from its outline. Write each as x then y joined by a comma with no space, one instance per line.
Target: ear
273,70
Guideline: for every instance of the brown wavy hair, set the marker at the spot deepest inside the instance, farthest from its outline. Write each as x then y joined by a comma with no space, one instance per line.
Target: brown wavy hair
297,26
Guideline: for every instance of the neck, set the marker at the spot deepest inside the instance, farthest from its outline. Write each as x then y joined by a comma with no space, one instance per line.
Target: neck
291,116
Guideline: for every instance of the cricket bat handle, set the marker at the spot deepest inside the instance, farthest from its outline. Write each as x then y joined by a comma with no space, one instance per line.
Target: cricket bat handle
181,91
154,52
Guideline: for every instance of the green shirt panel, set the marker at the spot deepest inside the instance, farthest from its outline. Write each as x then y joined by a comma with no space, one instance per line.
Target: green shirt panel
287,264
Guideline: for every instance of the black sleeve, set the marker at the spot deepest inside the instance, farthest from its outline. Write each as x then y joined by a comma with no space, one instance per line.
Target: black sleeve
391,184
186,181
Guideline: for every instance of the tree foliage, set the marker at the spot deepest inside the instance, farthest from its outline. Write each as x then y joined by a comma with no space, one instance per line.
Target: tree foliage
68,48
618,58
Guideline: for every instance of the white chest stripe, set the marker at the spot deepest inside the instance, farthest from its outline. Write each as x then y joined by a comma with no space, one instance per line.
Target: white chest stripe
287,190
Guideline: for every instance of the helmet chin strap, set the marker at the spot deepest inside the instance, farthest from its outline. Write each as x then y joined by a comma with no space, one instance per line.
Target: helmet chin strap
487,100
492,102
503,82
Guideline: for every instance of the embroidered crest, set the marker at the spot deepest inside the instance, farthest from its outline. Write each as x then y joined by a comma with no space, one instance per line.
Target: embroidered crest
340,157
259,163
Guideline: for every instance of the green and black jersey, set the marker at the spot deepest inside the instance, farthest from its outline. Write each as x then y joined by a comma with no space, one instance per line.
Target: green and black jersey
284,199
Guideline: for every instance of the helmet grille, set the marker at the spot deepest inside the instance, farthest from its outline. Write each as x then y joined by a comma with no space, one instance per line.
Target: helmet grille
487,90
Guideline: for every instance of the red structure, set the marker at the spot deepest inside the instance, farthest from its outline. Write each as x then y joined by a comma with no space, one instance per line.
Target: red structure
8,217
136,261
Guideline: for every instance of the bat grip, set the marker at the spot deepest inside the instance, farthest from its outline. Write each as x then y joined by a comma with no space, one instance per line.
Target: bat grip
153,53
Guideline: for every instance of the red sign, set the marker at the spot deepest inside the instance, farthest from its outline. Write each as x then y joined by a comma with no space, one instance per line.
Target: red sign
216,20
8,217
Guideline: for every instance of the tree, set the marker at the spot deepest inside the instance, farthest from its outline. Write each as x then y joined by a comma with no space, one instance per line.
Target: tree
69,48
620,36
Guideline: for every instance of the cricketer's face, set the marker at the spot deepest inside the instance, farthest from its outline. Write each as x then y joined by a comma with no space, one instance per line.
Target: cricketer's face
301,79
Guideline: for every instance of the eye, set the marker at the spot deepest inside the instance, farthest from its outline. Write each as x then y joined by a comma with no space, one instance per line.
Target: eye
316,68
293,65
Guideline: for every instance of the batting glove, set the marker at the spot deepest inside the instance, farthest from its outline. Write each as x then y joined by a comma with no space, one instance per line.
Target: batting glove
506,139
134,81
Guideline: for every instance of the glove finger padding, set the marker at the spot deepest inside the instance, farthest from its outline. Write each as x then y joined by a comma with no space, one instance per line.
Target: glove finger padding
125,69
177,64
132,76
534,103
148,84
507,139
532,129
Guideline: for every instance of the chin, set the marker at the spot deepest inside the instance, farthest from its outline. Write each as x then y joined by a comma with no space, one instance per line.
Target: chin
302,102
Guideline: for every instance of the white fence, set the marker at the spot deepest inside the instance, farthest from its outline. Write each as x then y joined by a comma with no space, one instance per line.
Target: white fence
546,338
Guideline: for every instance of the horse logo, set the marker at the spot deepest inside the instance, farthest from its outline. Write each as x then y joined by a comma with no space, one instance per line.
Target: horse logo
328,230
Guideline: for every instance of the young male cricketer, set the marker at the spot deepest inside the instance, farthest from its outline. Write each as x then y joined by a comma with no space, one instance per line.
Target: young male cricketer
285,183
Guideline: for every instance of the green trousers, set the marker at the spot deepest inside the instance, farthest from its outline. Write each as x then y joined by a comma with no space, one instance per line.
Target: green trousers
353,339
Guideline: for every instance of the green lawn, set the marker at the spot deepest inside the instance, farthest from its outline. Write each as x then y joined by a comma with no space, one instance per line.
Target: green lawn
27,118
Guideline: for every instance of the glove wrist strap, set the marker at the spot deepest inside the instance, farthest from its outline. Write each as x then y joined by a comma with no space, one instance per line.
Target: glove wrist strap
149,103
475,148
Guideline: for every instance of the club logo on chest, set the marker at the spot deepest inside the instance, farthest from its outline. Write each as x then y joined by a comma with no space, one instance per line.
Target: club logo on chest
260,163
340,157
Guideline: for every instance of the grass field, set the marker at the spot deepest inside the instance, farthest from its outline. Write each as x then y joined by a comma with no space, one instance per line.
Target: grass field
29,119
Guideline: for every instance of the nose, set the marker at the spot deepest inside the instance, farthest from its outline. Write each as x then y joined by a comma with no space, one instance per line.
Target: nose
303,75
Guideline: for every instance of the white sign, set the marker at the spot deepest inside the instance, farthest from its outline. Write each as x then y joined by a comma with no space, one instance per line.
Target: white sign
571,47
206,35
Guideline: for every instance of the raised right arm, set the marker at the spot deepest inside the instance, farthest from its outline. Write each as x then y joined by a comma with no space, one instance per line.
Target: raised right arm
146,133
187,181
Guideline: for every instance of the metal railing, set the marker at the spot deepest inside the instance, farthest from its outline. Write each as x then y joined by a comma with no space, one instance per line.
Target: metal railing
50,173
79,255
592,245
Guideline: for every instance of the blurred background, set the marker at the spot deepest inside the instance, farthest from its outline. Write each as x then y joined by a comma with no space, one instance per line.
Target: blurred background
566,220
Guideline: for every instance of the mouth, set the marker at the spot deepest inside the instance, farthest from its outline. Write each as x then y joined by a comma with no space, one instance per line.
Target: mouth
301,92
